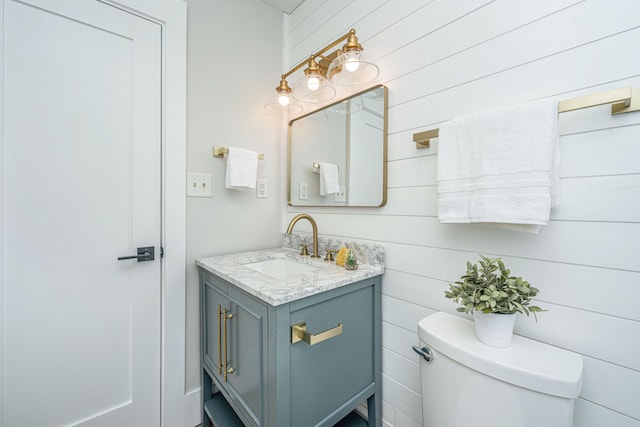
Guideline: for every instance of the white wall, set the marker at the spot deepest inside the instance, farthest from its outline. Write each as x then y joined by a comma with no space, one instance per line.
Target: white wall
444,59
234,51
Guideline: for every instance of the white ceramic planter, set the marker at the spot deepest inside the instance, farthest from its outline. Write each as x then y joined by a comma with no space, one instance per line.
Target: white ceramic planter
494,329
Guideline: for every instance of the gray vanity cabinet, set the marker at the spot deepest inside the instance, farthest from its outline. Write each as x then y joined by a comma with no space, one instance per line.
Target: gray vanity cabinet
276,380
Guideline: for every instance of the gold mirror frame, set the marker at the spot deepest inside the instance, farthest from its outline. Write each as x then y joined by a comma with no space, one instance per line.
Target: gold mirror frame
362,121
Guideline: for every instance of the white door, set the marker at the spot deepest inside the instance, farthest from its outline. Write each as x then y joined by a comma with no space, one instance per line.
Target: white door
82,165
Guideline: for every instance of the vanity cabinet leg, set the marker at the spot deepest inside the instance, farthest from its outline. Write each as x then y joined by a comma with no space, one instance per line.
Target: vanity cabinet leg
372,419
207,392
371,411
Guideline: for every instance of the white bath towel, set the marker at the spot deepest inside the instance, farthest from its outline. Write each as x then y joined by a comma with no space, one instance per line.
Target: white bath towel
500,167
329,179
242,169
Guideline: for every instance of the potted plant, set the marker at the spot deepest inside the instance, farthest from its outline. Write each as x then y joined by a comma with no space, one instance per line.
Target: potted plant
351,263
493,296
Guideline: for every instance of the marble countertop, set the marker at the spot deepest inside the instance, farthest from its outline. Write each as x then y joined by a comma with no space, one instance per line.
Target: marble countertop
325,276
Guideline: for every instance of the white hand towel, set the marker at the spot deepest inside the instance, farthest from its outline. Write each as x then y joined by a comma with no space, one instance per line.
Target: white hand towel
329,180
500,167
242,169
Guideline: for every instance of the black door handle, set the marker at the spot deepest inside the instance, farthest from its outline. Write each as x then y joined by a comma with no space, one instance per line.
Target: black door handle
145,253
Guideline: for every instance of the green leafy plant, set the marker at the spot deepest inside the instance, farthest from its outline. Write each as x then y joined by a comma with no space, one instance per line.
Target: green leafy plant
488,287
351,263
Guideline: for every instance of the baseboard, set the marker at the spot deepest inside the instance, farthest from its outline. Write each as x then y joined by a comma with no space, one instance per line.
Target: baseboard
192,410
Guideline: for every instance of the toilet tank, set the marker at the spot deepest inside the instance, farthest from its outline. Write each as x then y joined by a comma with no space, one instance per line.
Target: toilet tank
468,383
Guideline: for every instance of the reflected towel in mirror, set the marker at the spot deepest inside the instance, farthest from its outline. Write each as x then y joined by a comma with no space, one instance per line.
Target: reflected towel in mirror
329,180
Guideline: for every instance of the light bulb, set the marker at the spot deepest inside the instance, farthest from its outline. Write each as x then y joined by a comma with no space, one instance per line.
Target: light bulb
283,99
313,83
352,64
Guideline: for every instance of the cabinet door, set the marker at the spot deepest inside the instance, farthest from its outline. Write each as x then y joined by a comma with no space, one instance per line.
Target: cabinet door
327,375
213,298
246,355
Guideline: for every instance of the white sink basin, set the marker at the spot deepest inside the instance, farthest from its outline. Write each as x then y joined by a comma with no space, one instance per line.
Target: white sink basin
281,268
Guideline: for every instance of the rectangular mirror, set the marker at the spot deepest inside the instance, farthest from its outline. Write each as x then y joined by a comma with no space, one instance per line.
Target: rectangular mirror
350,134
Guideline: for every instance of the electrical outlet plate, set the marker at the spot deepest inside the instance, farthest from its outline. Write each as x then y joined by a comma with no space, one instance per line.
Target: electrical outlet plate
261,188
198,184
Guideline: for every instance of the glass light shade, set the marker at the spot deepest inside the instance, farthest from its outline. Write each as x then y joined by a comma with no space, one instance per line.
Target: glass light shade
315,118
351,60
292,109
352,68
318,90
348,106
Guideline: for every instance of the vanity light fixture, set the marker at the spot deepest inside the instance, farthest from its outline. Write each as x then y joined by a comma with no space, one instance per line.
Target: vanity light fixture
347,66
283,92
284,100
313,87
352,66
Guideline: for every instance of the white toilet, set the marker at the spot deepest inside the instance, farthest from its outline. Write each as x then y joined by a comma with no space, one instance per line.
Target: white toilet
468,383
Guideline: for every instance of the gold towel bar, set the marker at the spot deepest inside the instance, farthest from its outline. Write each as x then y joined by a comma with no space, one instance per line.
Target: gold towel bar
221,151
622,100
316,167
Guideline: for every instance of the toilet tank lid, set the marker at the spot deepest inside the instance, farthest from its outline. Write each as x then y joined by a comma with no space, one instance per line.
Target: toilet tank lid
527,363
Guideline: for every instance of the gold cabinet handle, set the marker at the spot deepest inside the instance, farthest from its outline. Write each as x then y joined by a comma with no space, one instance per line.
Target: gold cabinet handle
227,369
219,339
299,333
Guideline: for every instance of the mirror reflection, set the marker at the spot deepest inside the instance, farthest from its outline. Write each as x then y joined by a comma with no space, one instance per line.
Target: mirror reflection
337,155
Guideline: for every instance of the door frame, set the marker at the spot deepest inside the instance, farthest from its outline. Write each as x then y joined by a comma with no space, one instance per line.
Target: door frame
171,15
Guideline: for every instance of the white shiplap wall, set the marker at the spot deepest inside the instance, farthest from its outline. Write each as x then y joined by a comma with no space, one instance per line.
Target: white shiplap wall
443,59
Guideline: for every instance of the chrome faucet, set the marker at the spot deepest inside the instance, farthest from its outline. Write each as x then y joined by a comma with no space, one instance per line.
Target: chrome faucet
314,227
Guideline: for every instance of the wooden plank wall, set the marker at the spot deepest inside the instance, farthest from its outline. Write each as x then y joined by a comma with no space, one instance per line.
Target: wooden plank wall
442,59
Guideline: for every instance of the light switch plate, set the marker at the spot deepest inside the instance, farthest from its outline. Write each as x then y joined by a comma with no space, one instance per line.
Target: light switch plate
304,191
198,184
341,196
